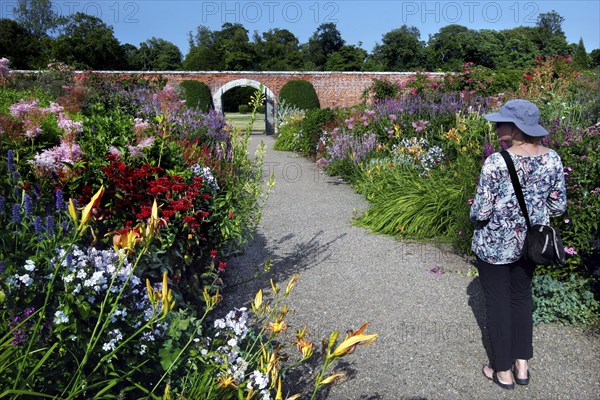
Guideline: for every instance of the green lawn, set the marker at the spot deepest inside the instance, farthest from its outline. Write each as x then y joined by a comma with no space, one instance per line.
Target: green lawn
241,121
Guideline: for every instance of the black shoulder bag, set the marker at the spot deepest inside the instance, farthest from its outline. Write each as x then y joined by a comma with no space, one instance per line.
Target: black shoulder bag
543,244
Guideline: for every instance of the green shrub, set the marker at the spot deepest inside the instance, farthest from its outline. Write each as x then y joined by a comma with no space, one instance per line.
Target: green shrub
380,90
299,93
243,109
260,109
568,302
311,127
506,80
196,95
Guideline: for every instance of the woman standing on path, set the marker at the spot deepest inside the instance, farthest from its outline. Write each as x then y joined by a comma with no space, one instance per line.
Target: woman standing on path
500,233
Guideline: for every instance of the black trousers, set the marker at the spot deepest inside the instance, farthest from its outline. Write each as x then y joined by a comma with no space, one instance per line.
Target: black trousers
507,290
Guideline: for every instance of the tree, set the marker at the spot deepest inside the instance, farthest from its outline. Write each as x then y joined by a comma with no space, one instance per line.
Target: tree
325,41
450,47
87,42
233,45
227,49
581,59
549,36
156,55
36,16
203,55
595,58
24,50
347,58
401,49
518,50
278,50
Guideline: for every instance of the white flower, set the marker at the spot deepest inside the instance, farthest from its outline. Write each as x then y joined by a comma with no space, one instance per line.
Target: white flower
232,342
220,324
29,265
60,318
26,279
259,380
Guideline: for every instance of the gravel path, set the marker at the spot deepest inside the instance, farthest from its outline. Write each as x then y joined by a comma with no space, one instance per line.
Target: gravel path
431,343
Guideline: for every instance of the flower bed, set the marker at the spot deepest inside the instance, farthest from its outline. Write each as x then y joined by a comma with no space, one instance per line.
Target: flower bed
417,158
119,207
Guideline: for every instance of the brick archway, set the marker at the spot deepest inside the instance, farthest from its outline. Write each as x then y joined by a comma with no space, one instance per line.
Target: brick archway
270,105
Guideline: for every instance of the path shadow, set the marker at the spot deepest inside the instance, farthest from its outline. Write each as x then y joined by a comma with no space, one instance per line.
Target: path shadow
477,304
250,271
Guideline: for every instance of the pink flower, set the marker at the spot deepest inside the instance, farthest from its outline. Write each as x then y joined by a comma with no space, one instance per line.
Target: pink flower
420,125
146,142
113,151
393,117
567,221
57,159
135,152
23,107
4,70
70,127
470,202
570,250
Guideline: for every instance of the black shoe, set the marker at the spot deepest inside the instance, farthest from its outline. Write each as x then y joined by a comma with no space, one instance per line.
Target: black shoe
507,386
519,381
495,379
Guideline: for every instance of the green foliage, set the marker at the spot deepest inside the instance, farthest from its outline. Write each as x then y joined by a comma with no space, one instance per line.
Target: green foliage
155,55
243,109
410,205
299,93
569,302
288,120
311,128
197,95
380,90
401,50
324,42
22,48
88,43
505,80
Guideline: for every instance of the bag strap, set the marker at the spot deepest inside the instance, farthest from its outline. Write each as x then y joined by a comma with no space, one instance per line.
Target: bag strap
516,185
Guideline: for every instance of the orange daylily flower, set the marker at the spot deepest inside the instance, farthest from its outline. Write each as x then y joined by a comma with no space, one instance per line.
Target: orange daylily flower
352,340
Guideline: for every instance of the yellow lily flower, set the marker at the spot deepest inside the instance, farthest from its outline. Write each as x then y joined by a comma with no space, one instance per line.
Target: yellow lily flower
305,347
332,378
352,340
257,303
226,381
86,215
73,212
276,327
291,284
152,226
127,241
275,287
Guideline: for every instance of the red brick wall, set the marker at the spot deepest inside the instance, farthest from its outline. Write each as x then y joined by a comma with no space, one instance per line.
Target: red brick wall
334,89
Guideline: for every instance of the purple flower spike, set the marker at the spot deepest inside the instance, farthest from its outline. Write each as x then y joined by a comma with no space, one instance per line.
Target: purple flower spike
60,201
28,205
16,213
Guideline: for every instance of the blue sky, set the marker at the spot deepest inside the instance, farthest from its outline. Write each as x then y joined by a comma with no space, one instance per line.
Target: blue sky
359,21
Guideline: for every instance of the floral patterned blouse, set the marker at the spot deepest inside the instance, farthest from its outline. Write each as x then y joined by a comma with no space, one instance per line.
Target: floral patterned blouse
500,224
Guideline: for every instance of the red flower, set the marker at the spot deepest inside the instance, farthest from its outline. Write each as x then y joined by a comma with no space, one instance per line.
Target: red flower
213,253
231,214
222,265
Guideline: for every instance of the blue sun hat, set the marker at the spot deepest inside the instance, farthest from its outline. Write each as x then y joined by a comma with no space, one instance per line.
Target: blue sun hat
524,114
